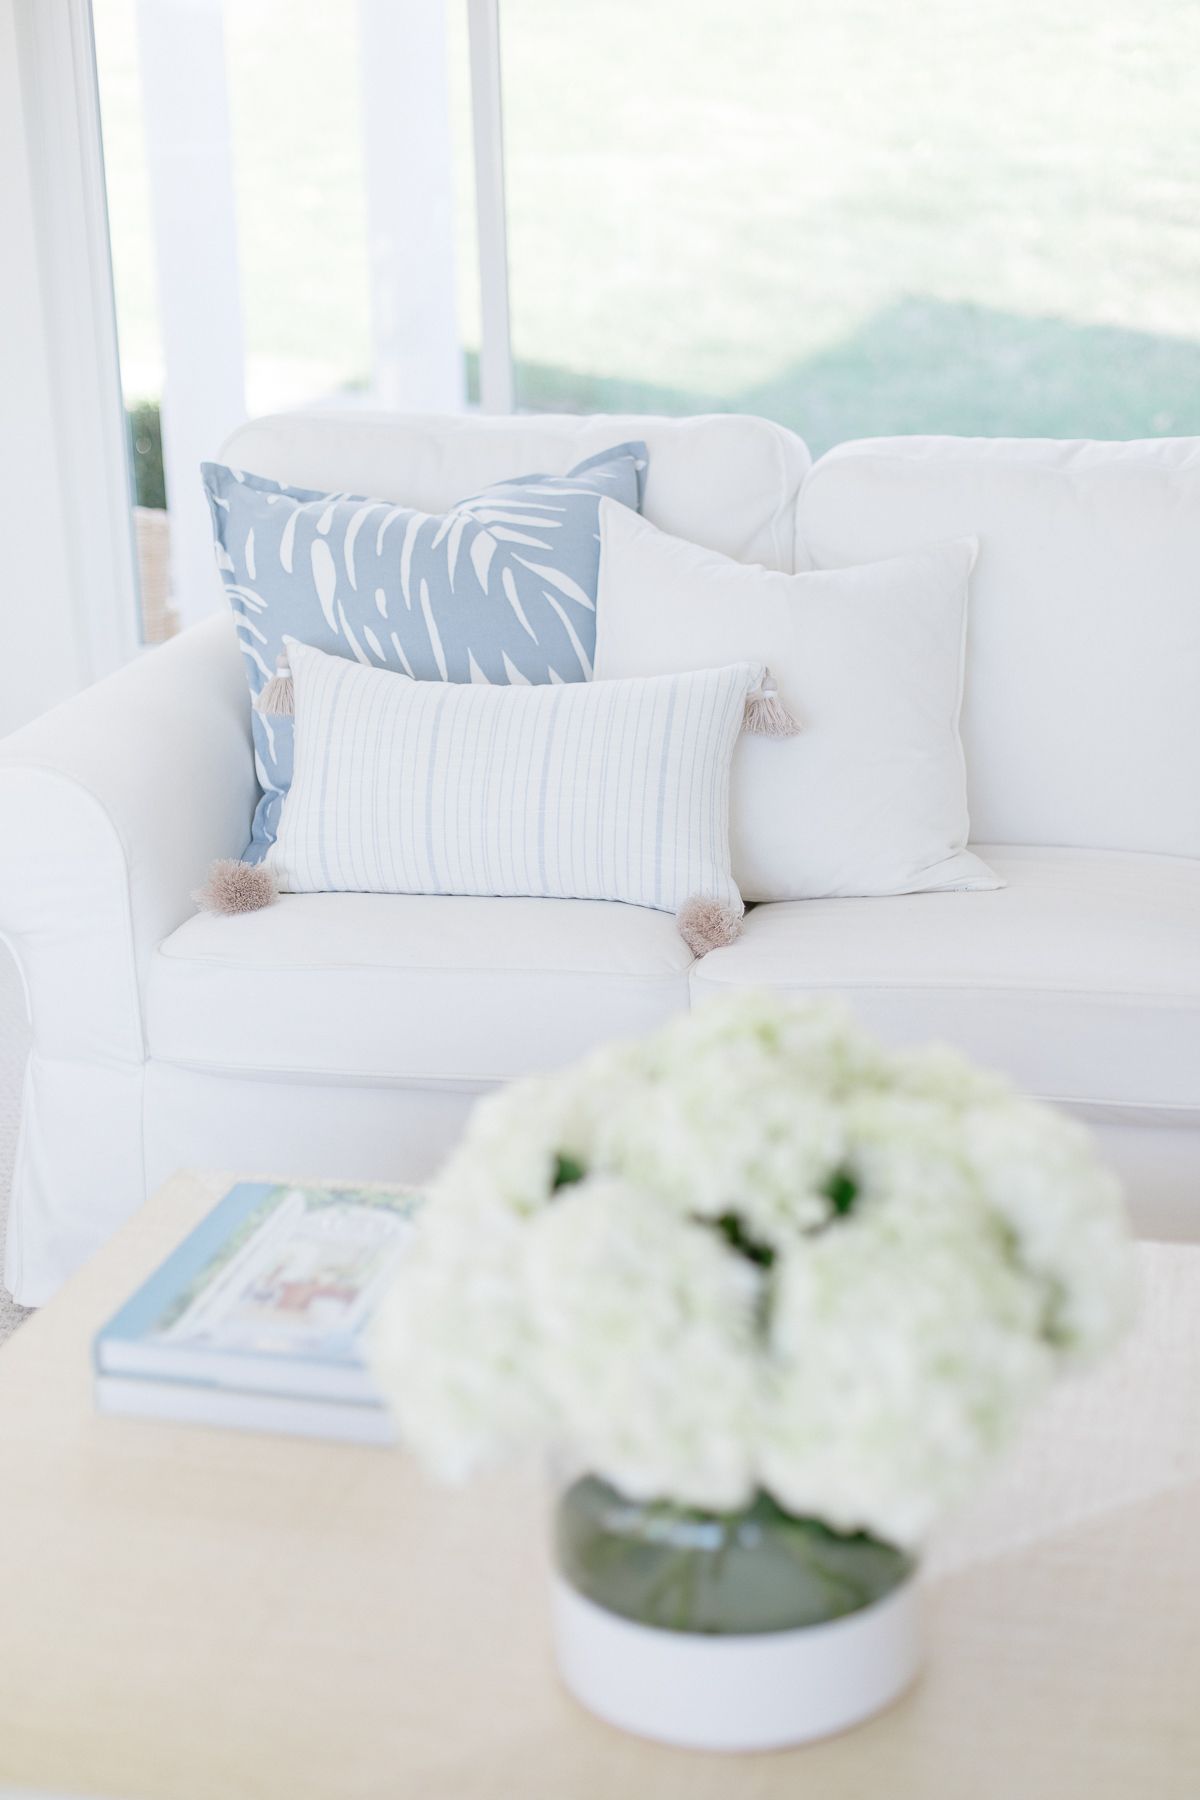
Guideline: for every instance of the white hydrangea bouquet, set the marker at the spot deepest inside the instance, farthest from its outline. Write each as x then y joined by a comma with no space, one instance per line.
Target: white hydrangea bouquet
779,1293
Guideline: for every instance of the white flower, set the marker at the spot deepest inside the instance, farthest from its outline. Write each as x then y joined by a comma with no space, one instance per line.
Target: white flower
754,1249
906,1351
646,1352
1037,1174
451,1350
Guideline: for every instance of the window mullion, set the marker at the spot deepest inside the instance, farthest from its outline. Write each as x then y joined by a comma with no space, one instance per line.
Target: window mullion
495,349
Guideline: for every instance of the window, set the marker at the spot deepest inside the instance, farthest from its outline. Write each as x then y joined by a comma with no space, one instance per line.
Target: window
858,217
281,182
854,217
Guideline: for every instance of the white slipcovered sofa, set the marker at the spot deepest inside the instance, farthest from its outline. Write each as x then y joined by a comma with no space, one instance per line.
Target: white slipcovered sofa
347,1035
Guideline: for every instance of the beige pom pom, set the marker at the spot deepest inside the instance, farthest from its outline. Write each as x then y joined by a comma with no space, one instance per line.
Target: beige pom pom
706,924
236,887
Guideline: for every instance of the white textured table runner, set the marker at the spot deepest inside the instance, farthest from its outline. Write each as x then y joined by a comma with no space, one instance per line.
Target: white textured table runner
1124,1432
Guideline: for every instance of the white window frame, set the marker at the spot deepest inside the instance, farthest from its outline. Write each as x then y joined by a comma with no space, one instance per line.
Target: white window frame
66,418
496,385
185,117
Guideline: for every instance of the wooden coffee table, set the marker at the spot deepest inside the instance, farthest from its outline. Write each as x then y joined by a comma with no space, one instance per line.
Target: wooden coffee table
198,1615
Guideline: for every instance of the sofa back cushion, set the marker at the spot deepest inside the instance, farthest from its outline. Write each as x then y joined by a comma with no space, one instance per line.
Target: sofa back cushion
1081,718
727,482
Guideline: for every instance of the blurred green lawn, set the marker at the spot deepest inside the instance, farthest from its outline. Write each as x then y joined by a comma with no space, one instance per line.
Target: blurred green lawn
856,216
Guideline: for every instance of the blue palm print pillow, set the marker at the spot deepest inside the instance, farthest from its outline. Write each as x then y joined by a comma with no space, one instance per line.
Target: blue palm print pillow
500,589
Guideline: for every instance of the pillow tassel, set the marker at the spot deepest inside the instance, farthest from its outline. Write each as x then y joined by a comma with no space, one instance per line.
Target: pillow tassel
706,924
278,698
236,887
766,715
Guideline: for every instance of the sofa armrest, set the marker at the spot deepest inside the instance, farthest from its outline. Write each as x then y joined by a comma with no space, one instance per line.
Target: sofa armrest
112,806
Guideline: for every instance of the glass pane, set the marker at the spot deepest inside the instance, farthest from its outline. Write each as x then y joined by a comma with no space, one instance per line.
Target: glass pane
297,141
858,217
128,195
466,242
264,243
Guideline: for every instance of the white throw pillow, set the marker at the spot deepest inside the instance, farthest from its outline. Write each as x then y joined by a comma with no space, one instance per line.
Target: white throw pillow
870,796
613,791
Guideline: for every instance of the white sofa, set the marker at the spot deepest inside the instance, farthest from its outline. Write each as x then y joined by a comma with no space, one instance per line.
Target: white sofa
347,1035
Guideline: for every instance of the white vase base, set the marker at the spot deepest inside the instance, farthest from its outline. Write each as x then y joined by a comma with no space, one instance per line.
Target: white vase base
761,1692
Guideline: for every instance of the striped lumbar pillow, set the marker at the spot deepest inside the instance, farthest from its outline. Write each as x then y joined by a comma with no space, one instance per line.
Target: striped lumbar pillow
615,790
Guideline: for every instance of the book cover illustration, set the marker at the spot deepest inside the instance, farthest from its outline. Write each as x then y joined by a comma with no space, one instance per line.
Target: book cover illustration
275,1270
301,1275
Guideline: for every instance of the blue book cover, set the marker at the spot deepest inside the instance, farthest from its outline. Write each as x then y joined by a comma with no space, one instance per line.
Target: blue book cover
269,1294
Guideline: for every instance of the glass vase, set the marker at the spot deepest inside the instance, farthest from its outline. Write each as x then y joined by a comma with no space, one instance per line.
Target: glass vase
744,1630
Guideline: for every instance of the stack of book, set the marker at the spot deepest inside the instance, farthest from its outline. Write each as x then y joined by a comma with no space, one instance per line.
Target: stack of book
256,1321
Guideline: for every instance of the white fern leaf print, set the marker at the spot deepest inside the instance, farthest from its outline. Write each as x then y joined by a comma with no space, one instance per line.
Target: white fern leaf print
356,649
324,578
390,516
585,661
510,510
245,599
510,593
288,541
562,581
411,533
435,642
506,535
254,655
455,539
483,548
352,530
495,515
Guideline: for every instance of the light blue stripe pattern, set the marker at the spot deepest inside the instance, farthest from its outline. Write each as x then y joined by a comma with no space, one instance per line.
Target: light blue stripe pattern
609,790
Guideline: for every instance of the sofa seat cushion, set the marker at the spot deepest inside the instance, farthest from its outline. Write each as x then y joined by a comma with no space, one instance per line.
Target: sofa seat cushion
411,988
1080,978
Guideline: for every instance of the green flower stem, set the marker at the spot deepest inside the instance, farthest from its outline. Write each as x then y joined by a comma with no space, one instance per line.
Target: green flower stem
681,1569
